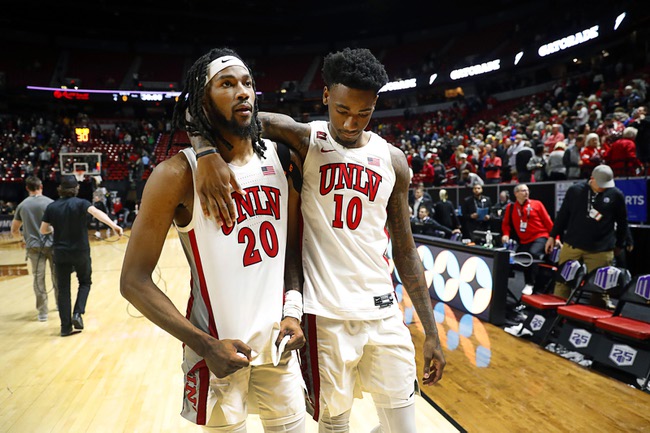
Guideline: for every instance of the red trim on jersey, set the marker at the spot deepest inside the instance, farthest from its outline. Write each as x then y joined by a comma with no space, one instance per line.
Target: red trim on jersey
204,387
312,377
204,289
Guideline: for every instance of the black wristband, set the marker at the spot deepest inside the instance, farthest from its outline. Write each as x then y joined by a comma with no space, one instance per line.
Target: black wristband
206,152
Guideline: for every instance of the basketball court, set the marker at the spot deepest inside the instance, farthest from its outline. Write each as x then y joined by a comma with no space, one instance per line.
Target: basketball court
123,374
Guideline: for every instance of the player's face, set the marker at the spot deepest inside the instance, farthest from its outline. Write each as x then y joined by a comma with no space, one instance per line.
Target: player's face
231,98
349,111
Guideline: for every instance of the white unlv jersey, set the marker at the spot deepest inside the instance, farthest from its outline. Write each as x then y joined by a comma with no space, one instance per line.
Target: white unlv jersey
238,272
344,196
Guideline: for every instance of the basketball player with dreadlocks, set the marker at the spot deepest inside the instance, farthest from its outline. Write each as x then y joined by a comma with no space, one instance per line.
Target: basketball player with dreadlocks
355,186
236,325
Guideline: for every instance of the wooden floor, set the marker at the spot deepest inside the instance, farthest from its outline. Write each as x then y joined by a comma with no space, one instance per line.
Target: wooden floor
122,373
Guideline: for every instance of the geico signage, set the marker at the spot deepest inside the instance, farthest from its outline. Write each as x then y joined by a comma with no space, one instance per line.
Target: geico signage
569,41
457,74
399,85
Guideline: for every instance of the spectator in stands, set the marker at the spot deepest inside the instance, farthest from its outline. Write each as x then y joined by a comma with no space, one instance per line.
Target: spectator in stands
537,164
621,155
571,158
521,162
555,169
582,114
39,247
553,137
492,167
439,171
642,125
592,224
476,211
570,138
467,178
512,152
528,222
67,218
609,131
445,211
590,154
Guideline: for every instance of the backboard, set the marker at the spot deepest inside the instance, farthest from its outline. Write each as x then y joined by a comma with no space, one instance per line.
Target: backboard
80,164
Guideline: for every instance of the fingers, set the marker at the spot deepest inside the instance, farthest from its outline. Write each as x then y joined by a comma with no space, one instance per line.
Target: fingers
235,185
296,342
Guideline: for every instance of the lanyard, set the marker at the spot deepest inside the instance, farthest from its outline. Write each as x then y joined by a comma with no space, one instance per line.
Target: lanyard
591,199
527,213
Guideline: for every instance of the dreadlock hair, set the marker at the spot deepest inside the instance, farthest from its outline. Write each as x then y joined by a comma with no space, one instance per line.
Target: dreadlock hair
191,101
355,68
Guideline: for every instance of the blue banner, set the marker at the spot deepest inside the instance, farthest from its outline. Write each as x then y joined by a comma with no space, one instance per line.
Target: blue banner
636,198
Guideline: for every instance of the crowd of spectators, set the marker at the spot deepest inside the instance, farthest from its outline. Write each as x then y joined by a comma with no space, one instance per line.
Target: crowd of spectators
555,135
560,134
30,145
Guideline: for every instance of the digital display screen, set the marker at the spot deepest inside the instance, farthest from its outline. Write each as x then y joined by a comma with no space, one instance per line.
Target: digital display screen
468,278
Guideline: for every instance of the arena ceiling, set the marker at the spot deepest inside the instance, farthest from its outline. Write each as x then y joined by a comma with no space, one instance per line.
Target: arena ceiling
266,22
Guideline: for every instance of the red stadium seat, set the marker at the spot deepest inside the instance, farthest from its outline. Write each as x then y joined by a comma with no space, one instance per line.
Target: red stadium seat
625,341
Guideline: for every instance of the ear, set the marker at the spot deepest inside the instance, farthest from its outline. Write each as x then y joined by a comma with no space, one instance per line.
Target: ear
326,95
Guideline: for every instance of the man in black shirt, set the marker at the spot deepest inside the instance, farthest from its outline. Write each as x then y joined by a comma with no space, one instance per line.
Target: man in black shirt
67,219
592,223
476,211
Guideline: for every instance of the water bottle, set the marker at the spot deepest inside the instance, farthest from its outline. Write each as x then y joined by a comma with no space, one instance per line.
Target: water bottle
488,239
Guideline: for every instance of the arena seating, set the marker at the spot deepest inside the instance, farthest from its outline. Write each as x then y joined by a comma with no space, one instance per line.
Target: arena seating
625,336
542,307
576,320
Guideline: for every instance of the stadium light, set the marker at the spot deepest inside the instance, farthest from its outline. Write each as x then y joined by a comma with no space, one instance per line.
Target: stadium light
619,20
432,78
518,57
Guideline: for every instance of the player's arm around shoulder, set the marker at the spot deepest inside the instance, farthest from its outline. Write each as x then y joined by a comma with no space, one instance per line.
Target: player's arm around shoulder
276,126
293,275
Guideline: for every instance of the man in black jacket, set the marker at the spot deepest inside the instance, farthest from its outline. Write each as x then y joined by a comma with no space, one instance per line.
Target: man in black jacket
592,224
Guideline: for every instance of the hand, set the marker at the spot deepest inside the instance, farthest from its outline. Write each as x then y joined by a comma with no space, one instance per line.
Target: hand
474,216
454,231
291,326
505,239
214,180
487,217
434,361
629,248
550,243
119,230
222,358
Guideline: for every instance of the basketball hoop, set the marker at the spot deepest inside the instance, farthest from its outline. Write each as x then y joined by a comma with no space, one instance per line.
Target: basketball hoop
79,174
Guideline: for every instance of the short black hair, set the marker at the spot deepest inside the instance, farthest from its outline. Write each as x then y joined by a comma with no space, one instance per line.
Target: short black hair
191,100
356,68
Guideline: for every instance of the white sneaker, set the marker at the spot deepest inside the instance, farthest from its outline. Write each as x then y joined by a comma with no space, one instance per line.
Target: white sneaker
528,290
42,317
518,330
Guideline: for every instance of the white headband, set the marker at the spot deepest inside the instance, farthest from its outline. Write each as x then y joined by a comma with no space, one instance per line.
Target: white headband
221,63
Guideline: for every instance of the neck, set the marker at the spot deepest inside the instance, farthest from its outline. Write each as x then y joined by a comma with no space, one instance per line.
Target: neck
241,152
521,202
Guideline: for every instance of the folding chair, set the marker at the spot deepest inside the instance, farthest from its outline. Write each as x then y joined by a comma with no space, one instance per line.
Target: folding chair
577,318
543,307
626,335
